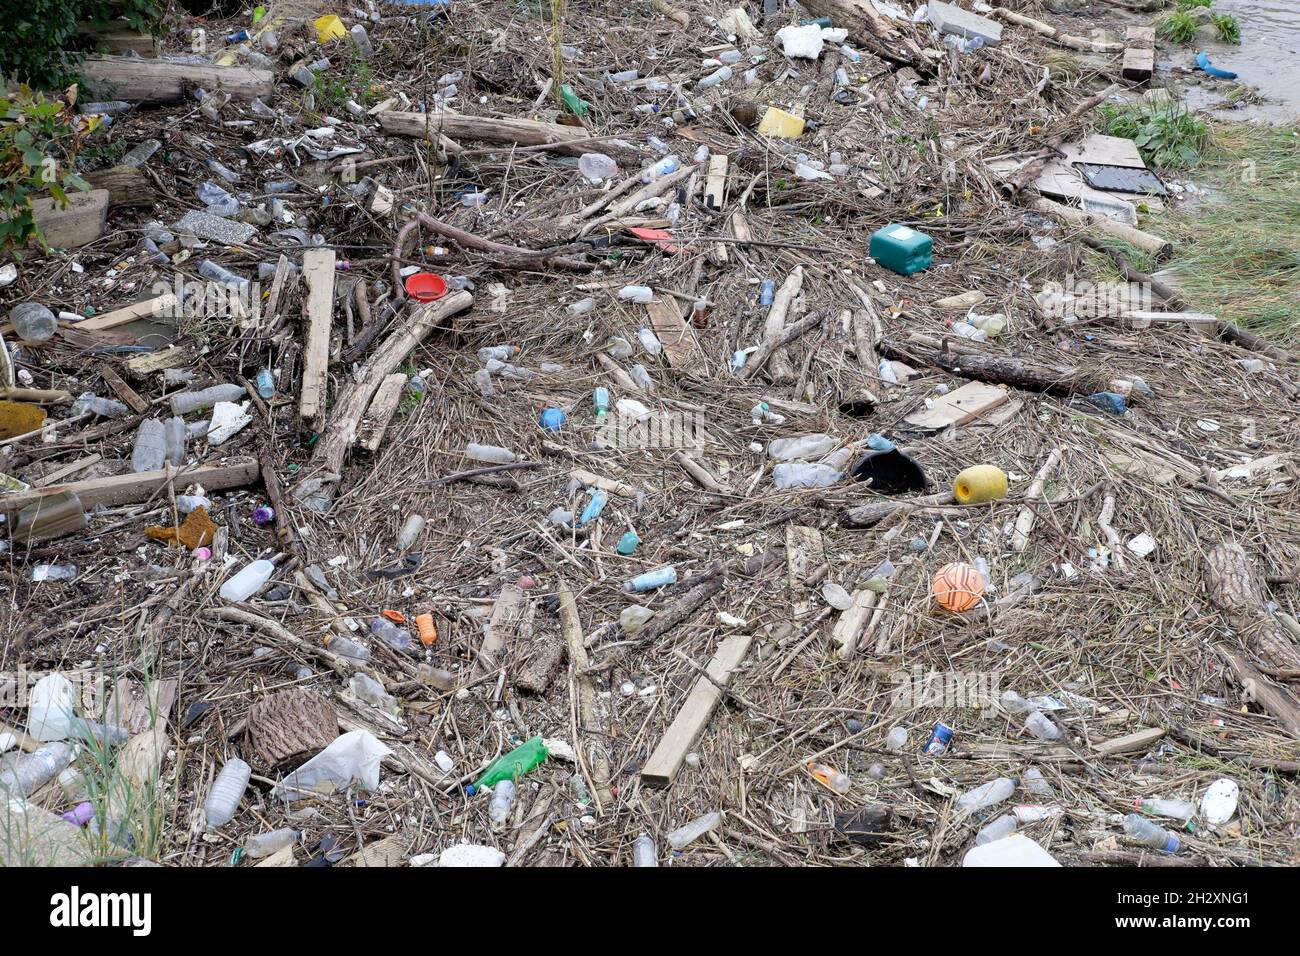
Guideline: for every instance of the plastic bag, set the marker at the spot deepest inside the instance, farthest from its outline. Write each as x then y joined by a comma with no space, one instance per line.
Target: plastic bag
352,758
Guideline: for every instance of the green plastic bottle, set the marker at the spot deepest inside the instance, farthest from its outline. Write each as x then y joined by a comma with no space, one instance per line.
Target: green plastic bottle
515,764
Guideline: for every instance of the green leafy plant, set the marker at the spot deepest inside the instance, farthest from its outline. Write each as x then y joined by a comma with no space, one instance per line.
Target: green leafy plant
1168,137
40,40
39,141
1227,27
1179,26
1193,4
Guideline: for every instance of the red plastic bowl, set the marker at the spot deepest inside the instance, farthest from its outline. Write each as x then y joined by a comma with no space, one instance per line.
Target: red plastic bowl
425,286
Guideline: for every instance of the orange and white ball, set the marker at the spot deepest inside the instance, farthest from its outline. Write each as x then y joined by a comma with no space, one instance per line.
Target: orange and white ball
957,586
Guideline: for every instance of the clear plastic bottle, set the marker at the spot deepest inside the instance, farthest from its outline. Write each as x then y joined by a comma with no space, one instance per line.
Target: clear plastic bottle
1041,726
660,169
372,692
686,835
636,293
642,378
581,307
361,40
643,851
54,572
410,532
248,581
501,353
104,407
150,449
227,790
1149,833
493,454
32,771
346,648
50,708
767,292
800,474
33,322
649,341
597,167
720,75
986,795
398,638
968,331
829,777
1182,810
264,844
503,798
185,402
600,401
803,446
896,740
266,383
210,270
1003,826
174,440
650,580
1033,782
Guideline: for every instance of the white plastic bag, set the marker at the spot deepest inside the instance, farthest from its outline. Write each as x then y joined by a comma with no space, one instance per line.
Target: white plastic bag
352,758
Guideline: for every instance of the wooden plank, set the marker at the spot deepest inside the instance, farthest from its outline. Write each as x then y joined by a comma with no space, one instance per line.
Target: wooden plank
277,286
165,305
691,720
1135,742
848,629
675,333
507,613
1138,319
126,185
388,852
80,222
123,391
135,707
804,548
380,413
127,489
318,273
1137,36
142,366
593,480
959,406
487,129
163,81
715,186
106,40
60,473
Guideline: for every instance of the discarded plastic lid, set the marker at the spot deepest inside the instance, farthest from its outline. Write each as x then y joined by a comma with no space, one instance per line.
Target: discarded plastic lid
426,286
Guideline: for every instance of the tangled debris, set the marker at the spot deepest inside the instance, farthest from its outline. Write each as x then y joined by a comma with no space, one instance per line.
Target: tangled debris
656,497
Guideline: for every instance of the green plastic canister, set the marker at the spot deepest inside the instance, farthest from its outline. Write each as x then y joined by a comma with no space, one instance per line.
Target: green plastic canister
901,249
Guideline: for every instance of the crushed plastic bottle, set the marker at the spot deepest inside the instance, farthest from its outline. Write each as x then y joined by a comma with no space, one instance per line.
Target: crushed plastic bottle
264,844
227,790
799,474
247,582
398,638
503,799
684,836
493,454
643,851
183,403
640,294
597,167
104,407
150,449
651,580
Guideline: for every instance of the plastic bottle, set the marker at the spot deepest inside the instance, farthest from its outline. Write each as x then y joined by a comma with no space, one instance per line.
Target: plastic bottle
513,765
105,407
210,270
185,402
597,167
600,401
658,170
684,836
33,322
968,331
372,692
248,581
174,440
395,637
767,292
493,454
32,771
141,152
1033,782
581,307
150,446
503,798
649,341
803,446
800,474
1149,833
829,777
627,544
1042,727
991,325
643,852
54,572
410,532
264,844
1161,807
594,507
642,378
650,580
501,353
896,740
227,790
636,293
720,75
1003,826
361,40
346,648
266,383
986,795
50,710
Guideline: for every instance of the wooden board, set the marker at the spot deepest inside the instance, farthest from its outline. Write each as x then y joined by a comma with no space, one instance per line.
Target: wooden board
59,474
134,707
715,187
80,222
959,406
163,81
151,363
163,306
1136,36
107,40
680,345
380,413
127,489
388,852
849,627
126,186
1135,742
507,615
318,274
489,130
804,548
123,391
691,720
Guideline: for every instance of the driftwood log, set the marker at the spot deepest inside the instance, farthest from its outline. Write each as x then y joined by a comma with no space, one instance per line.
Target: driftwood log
436,124
998,369
163,81
289,725
1234,588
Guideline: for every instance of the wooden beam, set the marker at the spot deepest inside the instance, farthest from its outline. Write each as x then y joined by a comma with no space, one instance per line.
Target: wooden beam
690,721
382,408
1135,742
127,489
436,123
123,391
163,81
715,187
80,222
126,185
148,308
678,338
318,273
506,615
848,629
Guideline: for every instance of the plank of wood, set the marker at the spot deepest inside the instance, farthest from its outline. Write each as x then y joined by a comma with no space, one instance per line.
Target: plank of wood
151,363
593,480
105,40
678,338
804,548
388,852
715,186
123,391
281,857
1138,319
848,629
277,286
487,129
126,185
380,413
691,720
1139,65
318,273
959,406
162,306
507,613
1139,36
1135,742
80,222
163,81
127,489
135,707
71,469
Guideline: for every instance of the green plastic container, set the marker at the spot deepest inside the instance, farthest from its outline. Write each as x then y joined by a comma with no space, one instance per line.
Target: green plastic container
513,765
901,249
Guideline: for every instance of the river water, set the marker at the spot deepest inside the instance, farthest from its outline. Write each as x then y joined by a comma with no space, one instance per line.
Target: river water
1268,59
